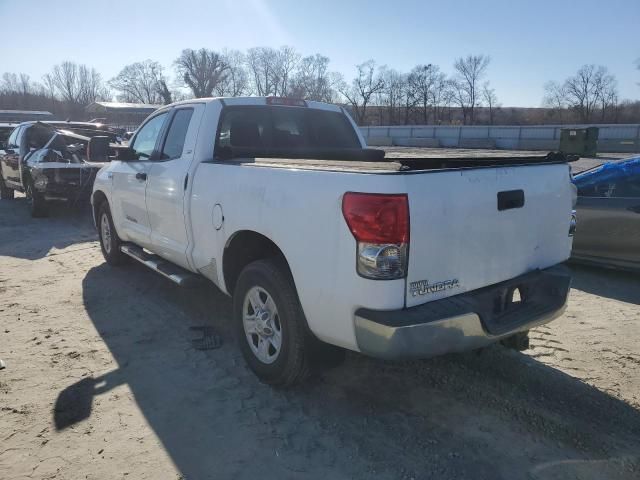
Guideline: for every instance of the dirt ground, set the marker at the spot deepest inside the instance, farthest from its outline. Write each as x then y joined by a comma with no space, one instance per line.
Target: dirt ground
102,381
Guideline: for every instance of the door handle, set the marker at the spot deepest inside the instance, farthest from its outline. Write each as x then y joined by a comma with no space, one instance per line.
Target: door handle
141,176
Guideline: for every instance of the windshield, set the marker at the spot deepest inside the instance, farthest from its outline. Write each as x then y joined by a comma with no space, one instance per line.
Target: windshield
267,129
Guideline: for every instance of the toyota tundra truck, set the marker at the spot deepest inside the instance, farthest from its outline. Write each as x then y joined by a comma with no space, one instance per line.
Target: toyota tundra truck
322,242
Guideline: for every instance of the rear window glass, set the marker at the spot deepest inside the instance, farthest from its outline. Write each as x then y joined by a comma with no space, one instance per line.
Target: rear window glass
283,128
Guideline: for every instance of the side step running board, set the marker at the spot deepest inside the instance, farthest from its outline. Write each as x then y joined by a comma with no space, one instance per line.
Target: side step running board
176,274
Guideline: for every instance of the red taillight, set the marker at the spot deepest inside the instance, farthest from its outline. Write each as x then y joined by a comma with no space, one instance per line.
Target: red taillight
377,218
380,224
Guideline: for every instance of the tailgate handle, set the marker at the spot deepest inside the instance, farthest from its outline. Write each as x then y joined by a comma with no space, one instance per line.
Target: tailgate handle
510,199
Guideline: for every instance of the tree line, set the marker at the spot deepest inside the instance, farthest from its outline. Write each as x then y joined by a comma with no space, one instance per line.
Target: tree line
375,94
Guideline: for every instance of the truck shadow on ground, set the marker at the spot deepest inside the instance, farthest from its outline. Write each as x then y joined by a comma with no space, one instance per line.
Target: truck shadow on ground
499,414
17,225
619,285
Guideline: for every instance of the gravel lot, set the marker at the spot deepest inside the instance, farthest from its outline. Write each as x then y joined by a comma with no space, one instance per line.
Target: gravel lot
103,382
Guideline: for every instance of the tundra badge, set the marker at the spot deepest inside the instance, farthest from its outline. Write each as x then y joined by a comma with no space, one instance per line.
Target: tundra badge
423,287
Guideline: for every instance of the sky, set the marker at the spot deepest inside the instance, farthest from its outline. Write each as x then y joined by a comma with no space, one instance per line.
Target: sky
529,42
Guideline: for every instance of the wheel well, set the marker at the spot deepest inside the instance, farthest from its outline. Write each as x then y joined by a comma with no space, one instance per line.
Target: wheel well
98,198
243,248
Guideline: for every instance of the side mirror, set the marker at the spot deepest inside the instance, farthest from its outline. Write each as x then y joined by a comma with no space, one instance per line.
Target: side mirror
125,154
98,149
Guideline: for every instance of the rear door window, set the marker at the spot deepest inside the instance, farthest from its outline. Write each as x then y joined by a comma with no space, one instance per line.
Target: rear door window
174,143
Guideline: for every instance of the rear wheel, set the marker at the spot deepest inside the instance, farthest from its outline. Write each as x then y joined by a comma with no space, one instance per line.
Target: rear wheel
269,324
6,193
110,243
37,204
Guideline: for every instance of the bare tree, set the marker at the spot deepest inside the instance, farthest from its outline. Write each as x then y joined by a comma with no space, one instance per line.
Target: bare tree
410,98
441,97
469,72
364,86
607,91
491,99
77,84
24,84
422,81
20,92
448,99
9,83
49,85
201,70
260,66
286,61
236,81
313,80
90,86
272,71
141,82
459,96
590,89
19,84
555,98
582,93
65,79
166,95
392,95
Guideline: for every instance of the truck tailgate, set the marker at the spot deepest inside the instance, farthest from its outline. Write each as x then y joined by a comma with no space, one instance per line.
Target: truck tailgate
476,227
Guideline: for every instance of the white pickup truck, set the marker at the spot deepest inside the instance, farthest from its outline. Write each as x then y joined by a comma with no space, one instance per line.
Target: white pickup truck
320,240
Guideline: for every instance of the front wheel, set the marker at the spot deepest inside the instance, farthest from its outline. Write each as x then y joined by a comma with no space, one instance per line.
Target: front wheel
37,204
109,241
269,323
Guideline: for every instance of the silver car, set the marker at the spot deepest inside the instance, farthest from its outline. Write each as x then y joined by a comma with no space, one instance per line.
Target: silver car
608,211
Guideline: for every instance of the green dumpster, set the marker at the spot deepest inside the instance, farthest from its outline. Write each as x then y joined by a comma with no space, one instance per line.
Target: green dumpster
579,141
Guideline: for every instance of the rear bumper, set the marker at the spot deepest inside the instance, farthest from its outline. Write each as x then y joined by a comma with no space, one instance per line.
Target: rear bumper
466,321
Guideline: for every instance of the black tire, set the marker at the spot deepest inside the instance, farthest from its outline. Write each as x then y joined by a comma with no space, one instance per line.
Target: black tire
292,364
6,193
519,341
110,246
37,204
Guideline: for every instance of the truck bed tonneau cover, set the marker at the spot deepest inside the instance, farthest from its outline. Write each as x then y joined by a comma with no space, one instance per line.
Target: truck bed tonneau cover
446,160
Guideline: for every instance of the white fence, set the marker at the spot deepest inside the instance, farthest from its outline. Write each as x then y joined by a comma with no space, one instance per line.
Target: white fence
611,138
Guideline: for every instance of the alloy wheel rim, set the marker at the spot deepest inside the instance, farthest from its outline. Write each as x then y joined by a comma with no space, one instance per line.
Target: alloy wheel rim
105,230
262,326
